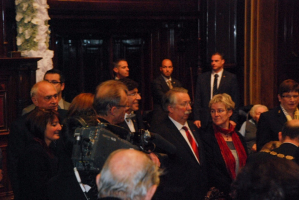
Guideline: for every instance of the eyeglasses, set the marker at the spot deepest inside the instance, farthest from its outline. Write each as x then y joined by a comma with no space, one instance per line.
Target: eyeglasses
134,94
185,104
53,82
217,111
48,98
290,96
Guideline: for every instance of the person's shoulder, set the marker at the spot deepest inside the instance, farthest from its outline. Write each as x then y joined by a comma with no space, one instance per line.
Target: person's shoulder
158,79
28,109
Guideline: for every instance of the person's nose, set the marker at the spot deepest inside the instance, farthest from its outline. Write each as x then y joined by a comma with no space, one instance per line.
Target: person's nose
138,96
59,126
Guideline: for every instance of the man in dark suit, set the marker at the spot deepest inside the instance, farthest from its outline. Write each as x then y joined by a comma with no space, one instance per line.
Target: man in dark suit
44,95
185,176
133,120
211,83
271,122
160,86
289,137
55,77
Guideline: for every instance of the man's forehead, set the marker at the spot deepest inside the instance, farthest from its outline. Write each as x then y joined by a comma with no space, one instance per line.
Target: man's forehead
46,90
51,77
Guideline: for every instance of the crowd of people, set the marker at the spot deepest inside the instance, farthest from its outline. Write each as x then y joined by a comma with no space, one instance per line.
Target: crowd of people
176,158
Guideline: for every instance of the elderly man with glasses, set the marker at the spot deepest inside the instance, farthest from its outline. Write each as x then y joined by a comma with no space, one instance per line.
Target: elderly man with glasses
271,122
186,176
55,77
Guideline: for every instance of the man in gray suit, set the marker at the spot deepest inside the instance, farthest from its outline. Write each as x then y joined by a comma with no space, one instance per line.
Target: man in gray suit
55,77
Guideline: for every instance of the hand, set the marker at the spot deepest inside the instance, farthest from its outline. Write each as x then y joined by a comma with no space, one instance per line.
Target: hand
233,123
197,123
155,159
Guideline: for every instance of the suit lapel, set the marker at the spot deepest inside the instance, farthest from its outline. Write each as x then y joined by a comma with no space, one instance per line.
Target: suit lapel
281,117
222,81
177,134
164,84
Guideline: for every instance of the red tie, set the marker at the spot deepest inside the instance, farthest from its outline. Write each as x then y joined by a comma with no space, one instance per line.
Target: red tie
192,142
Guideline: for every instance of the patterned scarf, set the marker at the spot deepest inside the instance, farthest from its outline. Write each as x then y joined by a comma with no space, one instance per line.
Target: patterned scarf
227,155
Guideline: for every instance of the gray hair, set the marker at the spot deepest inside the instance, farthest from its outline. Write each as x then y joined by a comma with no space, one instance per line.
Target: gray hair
170,98
128,178
223,98
108,94
253,109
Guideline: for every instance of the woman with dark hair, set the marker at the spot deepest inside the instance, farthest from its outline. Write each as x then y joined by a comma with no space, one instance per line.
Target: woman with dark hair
226,149
38,163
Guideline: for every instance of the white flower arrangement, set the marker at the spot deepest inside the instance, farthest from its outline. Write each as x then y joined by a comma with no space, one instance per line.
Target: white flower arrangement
33,33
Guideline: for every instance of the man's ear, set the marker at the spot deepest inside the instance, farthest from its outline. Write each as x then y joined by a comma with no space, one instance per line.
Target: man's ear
280,136
150,193
34,100
62,86
170,108
279,98
115,69
223,61
98,179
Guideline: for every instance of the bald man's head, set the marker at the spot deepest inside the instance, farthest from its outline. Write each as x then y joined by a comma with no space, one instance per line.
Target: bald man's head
127,173
44,95
291,129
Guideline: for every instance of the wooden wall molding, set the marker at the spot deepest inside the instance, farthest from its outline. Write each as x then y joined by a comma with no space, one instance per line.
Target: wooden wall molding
260,52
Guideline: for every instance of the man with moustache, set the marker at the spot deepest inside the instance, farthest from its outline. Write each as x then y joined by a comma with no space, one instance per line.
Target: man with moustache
186,175
214,82
271,122
121,69
133,120
160,86
43,95
55,77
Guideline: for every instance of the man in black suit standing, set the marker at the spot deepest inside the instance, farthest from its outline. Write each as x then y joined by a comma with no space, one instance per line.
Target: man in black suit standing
133,120
160,86
271,122
211,83
186,175
289,137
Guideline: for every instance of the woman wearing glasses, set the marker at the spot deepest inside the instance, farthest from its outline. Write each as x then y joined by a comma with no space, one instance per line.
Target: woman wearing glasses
226,149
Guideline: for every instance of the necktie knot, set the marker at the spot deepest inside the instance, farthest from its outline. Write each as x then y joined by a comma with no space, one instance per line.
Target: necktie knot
216,75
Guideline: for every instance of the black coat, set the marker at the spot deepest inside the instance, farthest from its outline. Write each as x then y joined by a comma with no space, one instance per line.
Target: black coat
270,123
35,169
285,149
219,176
184,177
228,85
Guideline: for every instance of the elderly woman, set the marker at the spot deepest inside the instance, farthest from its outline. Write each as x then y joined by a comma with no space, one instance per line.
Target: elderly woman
225,148
249,127
38,164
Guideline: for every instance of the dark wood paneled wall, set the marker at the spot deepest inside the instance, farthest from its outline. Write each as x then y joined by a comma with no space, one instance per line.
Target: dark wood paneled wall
142,32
